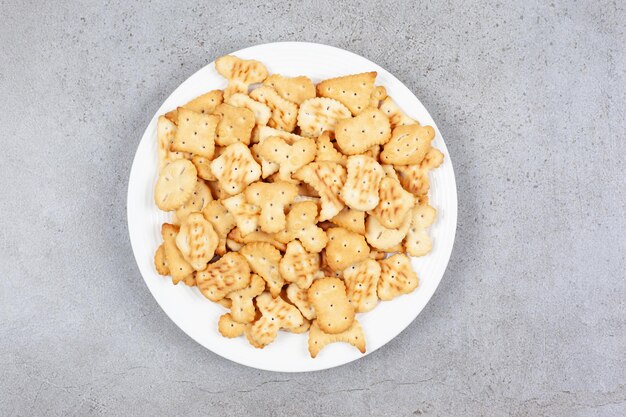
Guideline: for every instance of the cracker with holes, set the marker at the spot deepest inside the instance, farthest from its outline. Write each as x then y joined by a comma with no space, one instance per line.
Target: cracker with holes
294,89
261,112
256,236
229,273
195,133
353,220
175,185
197,240
276,314
298,265
358,134
178,266
326,151
205,103
235,169
418,242
230,328
318,339
235,124
379,93
408,145
240,73
289,158
354,91
433,159
414,179
284,112
383,238
300,298
264,259
360,191
246,215
301,225
319,114
334,312
345,248
242,305
268,168
271,198
327,178
160,261
396,277
166,131
203,166
361,282
221,220
200,197
264,132
394,205
395,114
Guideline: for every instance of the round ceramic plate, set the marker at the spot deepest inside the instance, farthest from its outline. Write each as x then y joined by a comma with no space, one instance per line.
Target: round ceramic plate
196,315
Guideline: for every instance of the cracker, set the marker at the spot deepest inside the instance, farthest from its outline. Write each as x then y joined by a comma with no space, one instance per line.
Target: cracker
390,171
272,198
216,190
242,306
276,314
197,240
229,273
334,312
235,125
160,261
327,178
284,112
360,191
240,73
373,152
302,225
289,158
379,93
303,328
225,302
361,283
408,145
395,203
383,238
433,159
189,280
397,277
200,197
345,248
175,185
353,220
195,133
230,328
246,215
395,114
268,168
298,265
235,168
326,270
358,134
203,166
300,298
264,260
261,112
294,89
233,245
414,179
205,103
377,255
178,266
166,131
264,132
354,91
326,151
219,216
319,114
256,236
318,339
418,242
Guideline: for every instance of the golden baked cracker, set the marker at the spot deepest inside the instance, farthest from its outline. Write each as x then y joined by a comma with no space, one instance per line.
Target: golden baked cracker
200,197
326,270
261,112
334,312
383,238
246,215
345,248
235,124
229,273
242,307
417,241
395,203
433,159
268,168
318,339
295,89
216,190
264,260
326,151
284,112
172,116
360,191
301,225
178,266
379,93
230,328
361,283
319,114
414,179
166,131
189,280
377,255
233,245
303,328
373,152
397,277
306,191
264,132
353,220
240,73
195,133
327,178
225,302
197,240
408,145
300,298
272,199
206,103
358,134
390,171
175,185
353,90
289,158
276,314
235,168
395,114
256,236
219,216
298,265
203,166
160,261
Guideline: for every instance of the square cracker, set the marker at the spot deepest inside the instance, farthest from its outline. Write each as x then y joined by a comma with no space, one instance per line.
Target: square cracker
235,124
195,133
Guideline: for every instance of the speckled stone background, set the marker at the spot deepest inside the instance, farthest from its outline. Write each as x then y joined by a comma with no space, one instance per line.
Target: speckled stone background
530,318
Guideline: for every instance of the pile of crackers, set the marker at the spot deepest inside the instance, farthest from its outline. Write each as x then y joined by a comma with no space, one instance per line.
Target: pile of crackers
295,205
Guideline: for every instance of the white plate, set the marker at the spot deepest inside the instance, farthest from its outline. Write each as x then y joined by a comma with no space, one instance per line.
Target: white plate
196,315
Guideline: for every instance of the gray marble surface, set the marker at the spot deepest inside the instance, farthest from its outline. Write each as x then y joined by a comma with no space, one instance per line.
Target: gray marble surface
530,318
